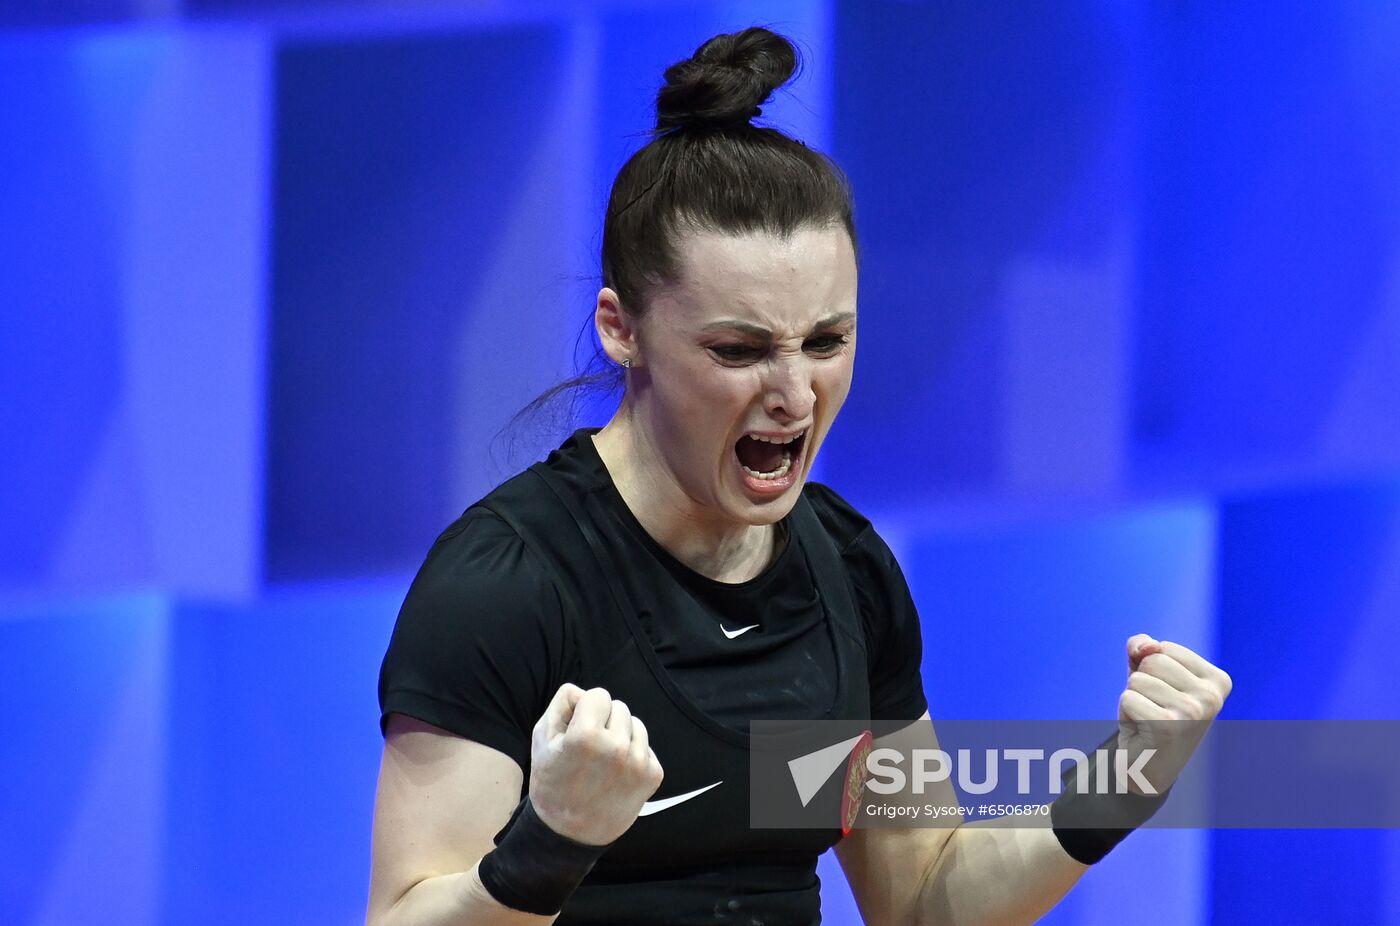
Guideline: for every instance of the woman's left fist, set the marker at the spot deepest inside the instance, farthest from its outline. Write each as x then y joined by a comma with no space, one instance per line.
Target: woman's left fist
1171,698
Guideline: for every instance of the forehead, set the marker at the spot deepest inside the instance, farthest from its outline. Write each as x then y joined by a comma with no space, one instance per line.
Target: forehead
781,282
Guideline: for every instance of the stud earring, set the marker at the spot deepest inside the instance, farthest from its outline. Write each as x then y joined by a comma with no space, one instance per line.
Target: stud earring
627,362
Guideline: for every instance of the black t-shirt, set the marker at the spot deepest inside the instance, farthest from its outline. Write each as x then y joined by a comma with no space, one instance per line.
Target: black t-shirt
484,639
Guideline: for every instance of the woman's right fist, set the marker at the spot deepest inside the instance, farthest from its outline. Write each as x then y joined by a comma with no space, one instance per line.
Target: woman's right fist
591,768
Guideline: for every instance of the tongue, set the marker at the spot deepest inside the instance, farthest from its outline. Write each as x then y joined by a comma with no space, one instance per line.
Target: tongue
759,456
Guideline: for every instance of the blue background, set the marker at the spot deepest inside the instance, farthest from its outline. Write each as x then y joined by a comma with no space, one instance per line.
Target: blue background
274,275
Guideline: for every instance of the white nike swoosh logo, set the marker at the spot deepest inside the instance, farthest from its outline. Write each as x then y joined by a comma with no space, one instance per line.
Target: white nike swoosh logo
663,803
731,634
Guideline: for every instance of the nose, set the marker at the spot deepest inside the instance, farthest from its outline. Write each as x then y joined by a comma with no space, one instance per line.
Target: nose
787,389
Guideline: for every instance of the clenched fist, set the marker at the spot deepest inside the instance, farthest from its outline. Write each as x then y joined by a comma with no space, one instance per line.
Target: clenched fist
591,768
1171,698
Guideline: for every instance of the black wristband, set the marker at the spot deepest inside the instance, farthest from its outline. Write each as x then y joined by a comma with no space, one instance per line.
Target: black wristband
1087,824
534,869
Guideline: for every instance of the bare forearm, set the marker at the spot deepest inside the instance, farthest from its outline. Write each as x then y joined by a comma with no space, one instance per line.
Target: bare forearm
456,899
996,873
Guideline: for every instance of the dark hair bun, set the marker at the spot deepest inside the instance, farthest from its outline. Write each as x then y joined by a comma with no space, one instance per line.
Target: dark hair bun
726,81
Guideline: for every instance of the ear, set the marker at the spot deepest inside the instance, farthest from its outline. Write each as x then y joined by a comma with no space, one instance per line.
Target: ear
617,329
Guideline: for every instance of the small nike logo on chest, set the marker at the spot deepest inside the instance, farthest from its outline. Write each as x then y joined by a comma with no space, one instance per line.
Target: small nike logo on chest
731,634
653,806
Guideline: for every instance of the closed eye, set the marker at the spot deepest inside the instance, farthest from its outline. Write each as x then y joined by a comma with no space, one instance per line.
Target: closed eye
737,353
824,345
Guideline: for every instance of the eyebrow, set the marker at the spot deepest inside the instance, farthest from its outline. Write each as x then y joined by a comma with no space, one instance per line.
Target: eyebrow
734,324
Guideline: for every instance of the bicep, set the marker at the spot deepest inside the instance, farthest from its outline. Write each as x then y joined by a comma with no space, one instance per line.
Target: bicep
886,865
441,800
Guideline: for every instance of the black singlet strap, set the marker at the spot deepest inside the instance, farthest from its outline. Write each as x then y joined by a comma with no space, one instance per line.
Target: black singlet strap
592,541
830,573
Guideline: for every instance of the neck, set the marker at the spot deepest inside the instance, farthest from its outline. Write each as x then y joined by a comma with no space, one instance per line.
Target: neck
695,534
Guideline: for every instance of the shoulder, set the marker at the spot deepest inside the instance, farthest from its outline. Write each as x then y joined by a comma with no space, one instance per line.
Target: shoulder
483,534
476,534
480,563
481,600
871,562
847,526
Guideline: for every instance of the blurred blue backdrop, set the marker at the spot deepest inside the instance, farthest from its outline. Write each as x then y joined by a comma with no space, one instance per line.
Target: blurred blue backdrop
275,273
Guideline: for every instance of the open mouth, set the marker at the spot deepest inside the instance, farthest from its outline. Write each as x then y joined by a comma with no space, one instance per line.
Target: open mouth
769,458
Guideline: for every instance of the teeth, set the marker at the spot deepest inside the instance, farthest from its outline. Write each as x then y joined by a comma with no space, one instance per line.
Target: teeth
778,473
777,440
